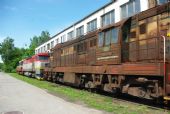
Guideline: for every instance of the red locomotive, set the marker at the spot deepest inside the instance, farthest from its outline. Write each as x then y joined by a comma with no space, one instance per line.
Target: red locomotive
33,66
131,56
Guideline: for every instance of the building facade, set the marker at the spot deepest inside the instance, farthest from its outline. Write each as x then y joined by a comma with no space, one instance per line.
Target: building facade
110,13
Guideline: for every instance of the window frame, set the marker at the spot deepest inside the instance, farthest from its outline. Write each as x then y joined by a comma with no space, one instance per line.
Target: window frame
108,18
92,25
136,9
102,41
80,31
117,35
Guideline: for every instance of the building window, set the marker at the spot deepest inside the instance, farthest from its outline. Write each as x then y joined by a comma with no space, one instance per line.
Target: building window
48,46
38,50
130,8
57,41
63,38
70,35
92,25
52,44
80,31
162,1
108,18
44,49
41,49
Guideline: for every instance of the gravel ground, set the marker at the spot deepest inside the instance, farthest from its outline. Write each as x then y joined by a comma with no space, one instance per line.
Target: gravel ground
16,95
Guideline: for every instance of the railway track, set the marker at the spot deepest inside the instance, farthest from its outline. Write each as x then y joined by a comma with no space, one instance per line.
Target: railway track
138,101
125,98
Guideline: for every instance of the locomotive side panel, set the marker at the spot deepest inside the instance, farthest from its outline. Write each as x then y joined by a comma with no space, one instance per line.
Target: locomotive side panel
127,57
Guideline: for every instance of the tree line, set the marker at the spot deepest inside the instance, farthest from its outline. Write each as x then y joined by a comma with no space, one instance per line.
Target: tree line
11,55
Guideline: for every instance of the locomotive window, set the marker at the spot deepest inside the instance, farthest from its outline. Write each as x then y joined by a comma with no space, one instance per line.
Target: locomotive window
142,28
81,47
114,38
101,38
107,37
84,46
133,34
43,57
75,47
93,43
62,51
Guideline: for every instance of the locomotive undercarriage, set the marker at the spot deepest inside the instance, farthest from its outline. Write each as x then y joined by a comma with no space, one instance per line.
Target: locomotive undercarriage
139,86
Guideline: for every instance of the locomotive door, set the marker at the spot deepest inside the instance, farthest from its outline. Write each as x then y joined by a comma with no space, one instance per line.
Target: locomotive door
125,42
129,40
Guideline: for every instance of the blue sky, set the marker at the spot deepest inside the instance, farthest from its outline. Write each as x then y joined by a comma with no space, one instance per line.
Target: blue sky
23,19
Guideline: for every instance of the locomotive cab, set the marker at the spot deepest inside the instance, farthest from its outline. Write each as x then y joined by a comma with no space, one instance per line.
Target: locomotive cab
41,60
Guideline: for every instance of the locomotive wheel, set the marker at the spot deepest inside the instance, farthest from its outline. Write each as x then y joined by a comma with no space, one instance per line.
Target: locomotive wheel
116,92
54,79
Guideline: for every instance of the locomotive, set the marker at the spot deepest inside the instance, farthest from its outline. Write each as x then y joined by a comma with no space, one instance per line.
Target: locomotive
131,56
33,66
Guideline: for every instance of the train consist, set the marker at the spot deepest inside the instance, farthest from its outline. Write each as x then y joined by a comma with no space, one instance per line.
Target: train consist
33,66
131,56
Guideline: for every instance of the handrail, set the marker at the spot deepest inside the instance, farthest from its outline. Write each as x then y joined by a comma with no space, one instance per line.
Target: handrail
164,39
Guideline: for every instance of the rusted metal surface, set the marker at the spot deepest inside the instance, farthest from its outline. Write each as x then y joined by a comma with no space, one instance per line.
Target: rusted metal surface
133,64
128,69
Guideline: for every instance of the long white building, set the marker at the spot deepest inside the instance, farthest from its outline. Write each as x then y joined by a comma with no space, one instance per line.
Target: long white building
112,12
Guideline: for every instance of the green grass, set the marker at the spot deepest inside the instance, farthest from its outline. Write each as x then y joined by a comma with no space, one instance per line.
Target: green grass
89,99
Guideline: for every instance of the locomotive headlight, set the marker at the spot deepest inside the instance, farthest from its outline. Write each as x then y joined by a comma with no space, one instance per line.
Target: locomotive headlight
168,33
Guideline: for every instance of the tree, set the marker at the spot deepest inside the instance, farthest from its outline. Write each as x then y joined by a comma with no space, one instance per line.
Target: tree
36,41
10,54
6,51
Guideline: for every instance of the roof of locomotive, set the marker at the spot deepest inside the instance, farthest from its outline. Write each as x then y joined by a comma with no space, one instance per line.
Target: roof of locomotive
30,58
42,54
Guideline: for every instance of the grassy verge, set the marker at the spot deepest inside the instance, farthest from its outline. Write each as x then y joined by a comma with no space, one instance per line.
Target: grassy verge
89,99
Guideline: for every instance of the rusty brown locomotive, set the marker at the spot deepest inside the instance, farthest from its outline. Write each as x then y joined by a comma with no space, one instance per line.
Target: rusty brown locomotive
131,56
